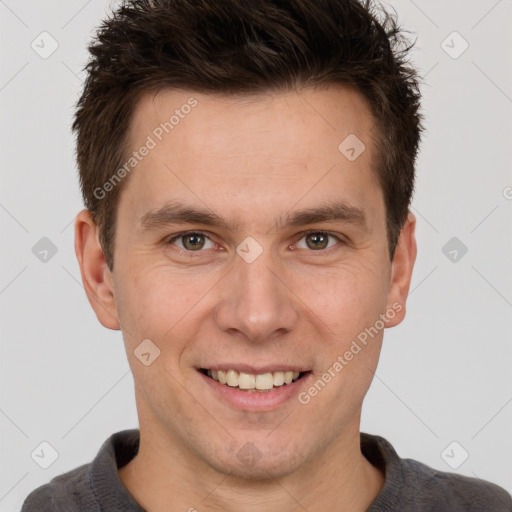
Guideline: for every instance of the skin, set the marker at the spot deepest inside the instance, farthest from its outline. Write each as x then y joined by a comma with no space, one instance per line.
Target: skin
252,160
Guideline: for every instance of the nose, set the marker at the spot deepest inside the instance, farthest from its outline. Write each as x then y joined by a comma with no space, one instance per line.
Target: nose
256,301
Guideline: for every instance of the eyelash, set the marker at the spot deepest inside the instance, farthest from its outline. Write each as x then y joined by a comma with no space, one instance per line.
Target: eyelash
303,234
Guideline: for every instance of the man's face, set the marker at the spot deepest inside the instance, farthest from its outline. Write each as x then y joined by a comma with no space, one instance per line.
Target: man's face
254,293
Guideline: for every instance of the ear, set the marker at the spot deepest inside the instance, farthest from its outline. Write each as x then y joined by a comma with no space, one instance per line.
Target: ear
401,270
96,276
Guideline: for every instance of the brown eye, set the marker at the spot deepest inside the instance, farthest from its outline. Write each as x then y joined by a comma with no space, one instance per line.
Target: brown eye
317,240
192,241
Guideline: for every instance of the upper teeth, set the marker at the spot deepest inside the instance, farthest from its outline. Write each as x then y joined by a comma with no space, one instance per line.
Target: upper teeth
251,381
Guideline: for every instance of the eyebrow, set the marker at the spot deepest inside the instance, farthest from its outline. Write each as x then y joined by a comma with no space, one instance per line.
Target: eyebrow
176,212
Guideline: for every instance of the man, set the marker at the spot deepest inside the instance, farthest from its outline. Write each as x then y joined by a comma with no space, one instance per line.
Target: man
247,168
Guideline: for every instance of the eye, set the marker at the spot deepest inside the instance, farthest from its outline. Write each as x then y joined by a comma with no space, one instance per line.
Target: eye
192,241
317,240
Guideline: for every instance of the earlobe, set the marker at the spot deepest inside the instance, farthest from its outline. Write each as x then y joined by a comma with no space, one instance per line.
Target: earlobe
96,275
401,270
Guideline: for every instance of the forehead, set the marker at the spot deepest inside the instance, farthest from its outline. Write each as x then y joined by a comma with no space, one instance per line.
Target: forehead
325,110
276,147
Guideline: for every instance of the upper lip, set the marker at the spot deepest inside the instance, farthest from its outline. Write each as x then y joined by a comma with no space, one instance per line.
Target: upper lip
257,370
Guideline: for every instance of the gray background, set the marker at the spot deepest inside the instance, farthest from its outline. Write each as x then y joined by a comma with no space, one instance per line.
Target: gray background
445,373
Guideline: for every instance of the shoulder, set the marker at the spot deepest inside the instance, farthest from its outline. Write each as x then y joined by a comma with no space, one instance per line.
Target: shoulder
92,486
415,487
65,492
40,499
451,491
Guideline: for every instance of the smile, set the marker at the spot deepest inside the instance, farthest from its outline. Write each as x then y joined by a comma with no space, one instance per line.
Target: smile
250,382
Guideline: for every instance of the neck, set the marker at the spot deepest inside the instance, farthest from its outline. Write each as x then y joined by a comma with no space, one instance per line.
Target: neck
162,473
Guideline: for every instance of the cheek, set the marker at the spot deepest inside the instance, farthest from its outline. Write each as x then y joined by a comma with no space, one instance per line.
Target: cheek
346,299
355,297
166,306
149,304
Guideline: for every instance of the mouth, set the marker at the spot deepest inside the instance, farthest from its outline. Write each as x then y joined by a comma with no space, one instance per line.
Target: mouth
254,382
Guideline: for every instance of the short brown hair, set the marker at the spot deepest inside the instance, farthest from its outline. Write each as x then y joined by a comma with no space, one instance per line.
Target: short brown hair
245,47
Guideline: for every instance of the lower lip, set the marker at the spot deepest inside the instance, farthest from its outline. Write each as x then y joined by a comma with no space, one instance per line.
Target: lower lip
256,401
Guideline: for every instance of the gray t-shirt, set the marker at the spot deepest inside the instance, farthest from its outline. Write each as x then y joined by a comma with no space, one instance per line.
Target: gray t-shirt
409,485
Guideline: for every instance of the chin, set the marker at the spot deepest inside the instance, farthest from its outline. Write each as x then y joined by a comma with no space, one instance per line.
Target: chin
256,462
